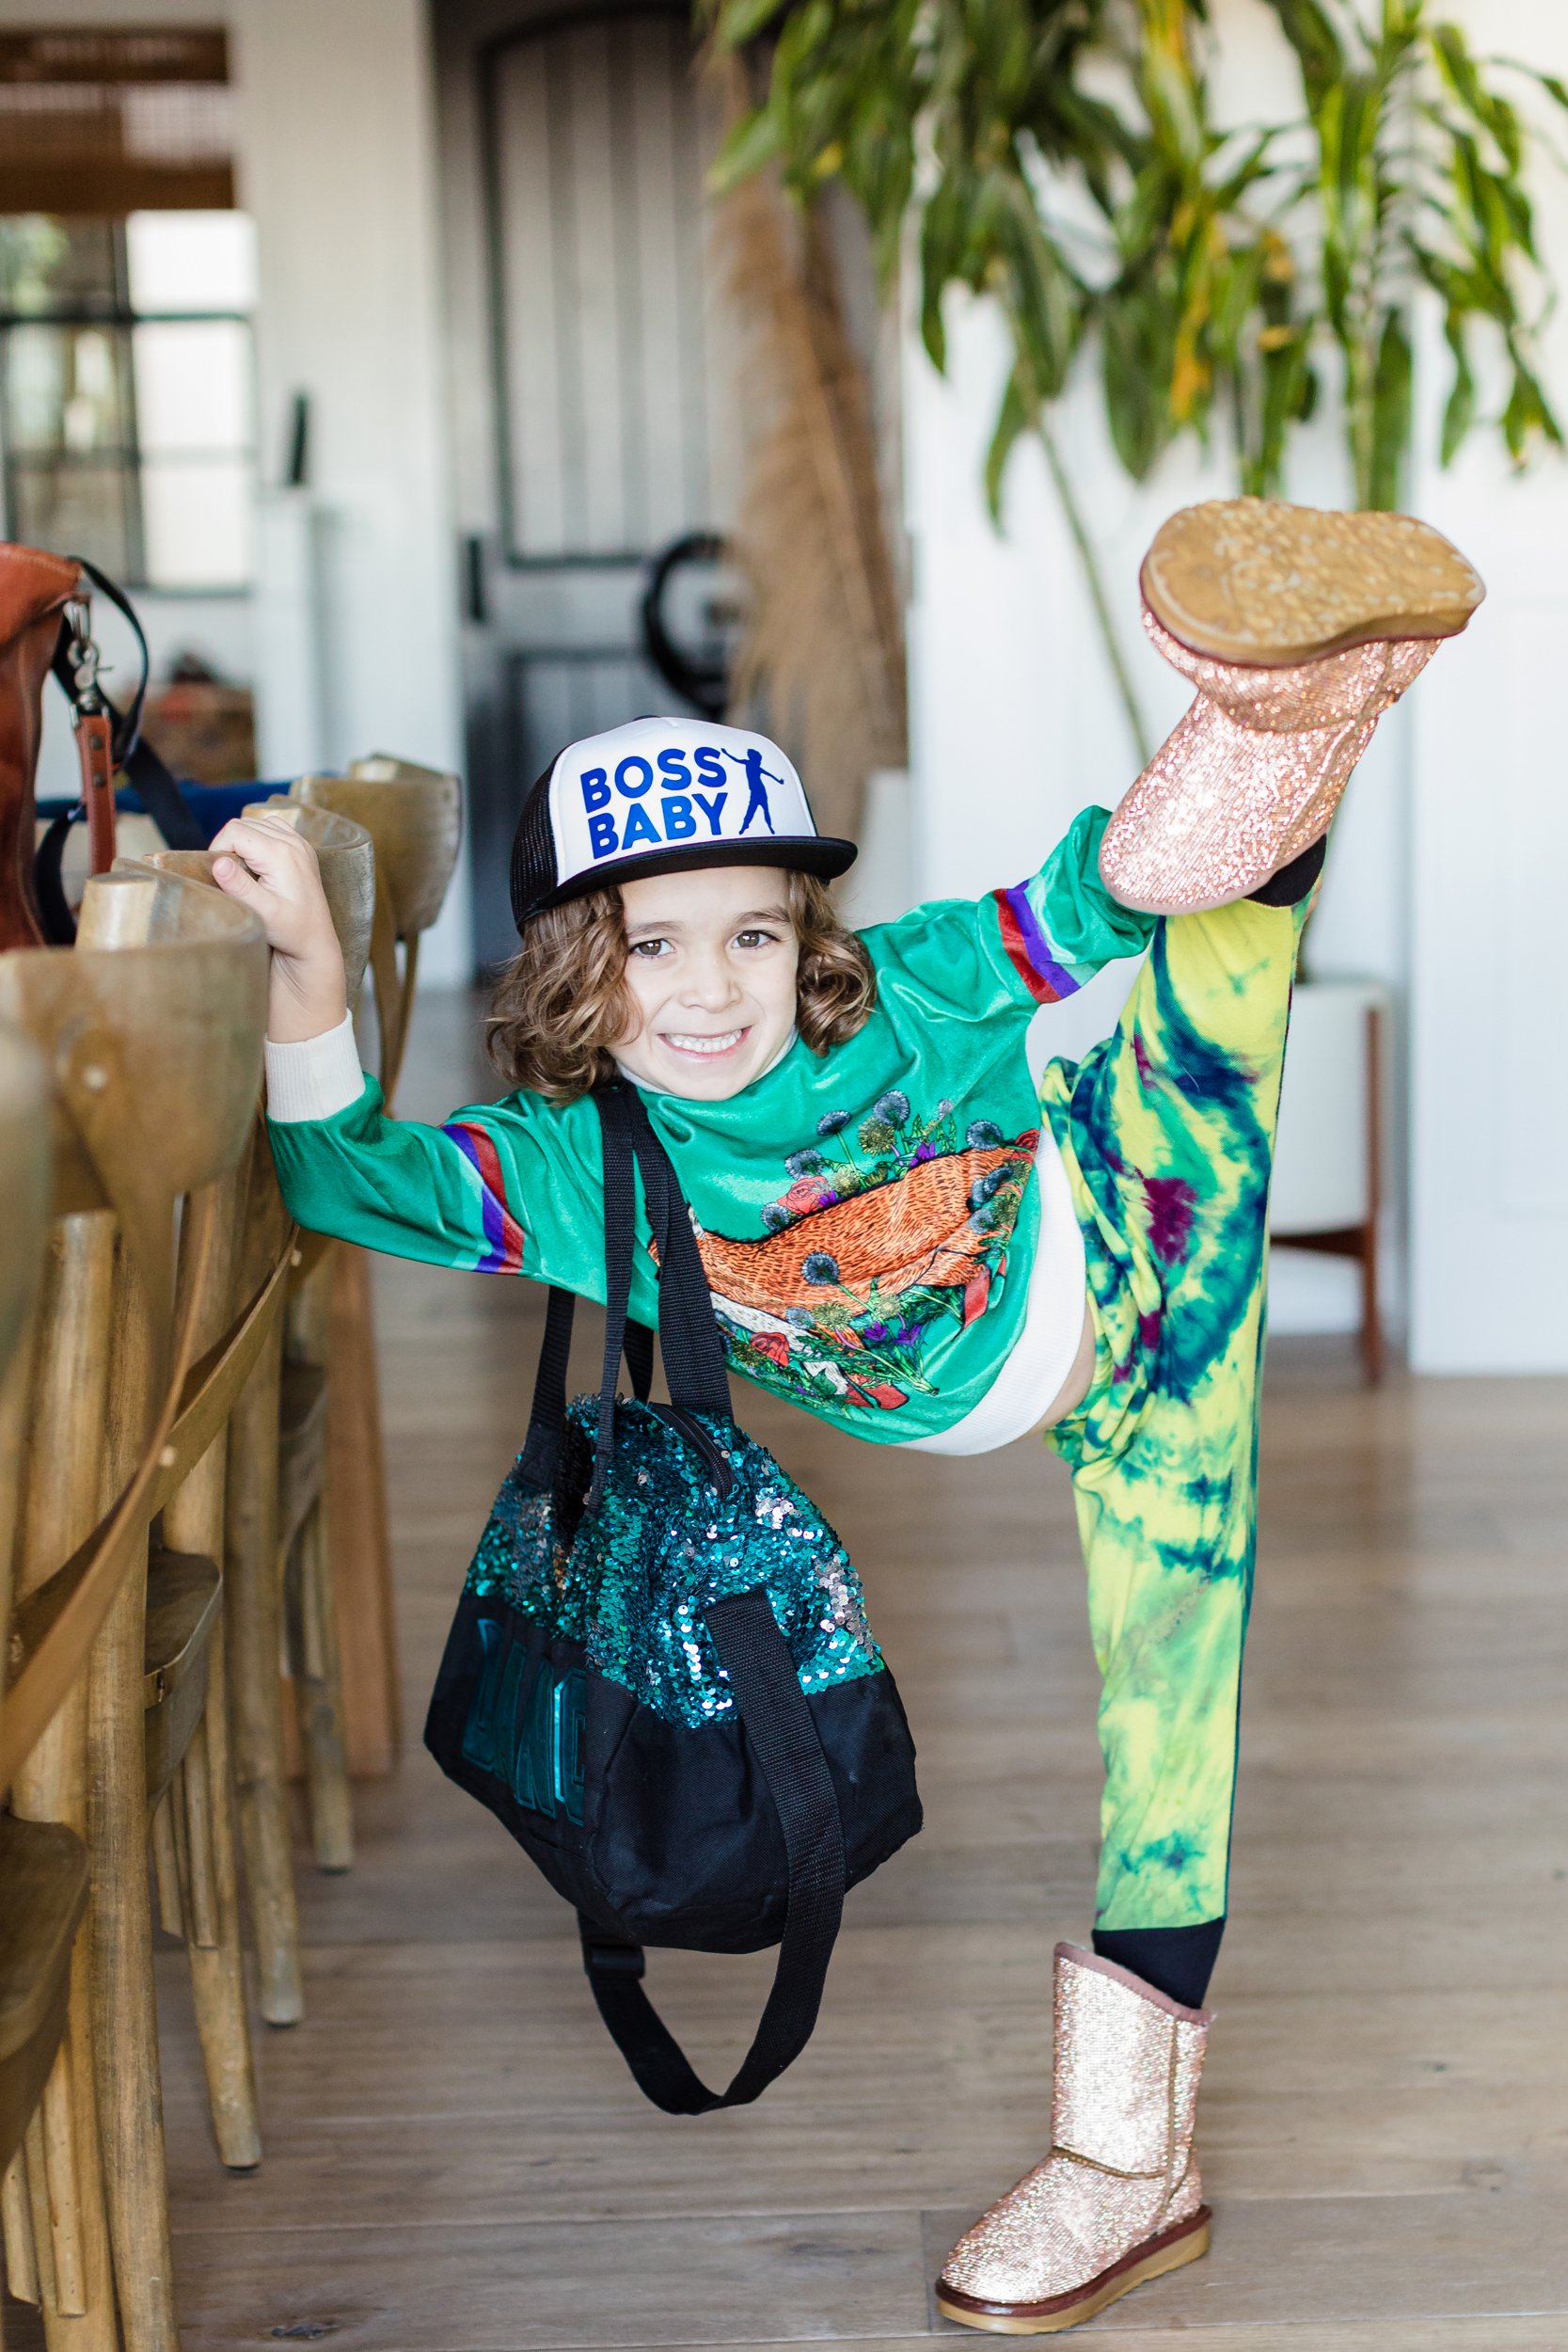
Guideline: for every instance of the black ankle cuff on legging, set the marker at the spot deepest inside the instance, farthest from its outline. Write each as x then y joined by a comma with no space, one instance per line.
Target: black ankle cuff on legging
1177,1961
1290,886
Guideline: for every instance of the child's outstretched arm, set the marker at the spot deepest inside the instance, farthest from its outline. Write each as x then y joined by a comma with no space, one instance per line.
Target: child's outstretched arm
448,1196
1033,944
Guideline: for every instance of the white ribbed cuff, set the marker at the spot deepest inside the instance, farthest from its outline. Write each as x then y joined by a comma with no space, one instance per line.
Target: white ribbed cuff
316,1078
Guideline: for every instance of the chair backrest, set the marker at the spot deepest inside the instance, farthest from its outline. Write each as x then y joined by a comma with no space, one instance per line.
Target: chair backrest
346,855
151,1027
414,816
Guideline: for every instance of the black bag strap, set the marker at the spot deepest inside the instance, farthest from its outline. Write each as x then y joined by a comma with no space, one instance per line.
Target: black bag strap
781,1733
60,924
547,1418
542,1446
688,1335
620,1229
781,1736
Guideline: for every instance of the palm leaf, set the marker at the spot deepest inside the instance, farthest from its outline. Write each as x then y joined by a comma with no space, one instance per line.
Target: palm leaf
822,660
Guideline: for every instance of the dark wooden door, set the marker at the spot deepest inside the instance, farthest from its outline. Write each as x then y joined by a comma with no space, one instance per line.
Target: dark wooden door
582,374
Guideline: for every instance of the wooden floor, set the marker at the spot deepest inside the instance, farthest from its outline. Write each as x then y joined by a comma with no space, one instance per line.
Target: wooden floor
456,2160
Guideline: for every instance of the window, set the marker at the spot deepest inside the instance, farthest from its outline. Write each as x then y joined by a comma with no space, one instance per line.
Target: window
125,393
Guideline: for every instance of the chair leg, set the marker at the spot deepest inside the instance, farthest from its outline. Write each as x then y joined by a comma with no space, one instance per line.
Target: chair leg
16,2231
67,2253
36,2179
253,1610
58,2121
124,2015
319,1686
356,1503
71,1400
166,1868
217,1964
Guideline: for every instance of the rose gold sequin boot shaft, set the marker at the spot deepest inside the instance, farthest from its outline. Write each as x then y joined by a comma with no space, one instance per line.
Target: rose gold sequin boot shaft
1118,2200
1299,629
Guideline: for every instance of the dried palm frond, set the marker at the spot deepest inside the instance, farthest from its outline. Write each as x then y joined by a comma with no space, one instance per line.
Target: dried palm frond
822,653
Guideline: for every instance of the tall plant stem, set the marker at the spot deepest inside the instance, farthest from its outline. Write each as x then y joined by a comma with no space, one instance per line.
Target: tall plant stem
1126,692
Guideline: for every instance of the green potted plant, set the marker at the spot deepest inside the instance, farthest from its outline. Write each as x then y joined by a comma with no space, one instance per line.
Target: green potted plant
1060,158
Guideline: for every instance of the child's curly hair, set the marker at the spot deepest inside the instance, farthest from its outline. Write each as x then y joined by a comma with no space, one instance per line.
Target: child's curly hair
562,1000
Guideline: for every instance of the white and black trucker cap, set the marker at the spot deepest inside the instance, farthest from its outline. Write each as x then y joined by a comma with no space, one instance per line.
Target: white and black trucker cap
659,797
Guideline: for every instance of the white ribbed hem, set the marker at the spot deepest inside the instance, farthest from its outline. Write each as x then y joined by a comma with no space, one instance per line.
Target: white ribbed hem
316,1078
1033,1372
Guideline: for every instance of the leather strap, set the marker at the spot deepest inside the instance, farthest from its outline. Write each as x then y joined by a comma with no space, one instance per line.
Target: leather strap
95,753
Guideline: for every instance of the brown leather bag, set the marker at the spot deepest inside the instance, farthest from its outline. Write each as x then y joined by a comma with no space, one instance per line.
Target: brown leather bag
34,589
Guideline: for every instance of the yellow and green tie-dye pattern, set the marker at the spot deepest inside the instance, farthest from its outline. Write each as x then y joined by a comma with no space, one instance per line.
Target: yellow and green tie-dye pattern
1167,1132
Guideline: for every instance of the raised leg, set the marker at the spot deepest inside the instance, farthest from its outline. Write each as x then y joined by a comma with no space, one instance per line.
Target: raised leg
1167,1132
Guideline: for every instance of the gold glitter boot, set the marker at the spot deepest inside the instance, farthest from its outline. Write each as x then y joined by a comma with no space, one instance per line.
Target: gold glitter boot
1299,629
1118,2200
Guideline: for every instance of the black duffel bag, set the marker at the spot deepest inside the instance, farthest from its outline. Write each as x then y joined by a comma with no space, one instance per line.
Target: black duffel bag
660,1676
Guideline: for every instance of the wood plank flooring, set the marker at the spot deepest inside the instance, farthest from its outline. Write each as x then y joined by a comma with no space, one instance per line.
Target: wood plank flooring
457,2162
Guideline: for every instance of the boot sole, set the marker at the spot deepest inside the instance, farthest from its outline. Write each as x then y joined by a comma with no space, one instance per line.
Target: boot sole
1258,581
1170,2250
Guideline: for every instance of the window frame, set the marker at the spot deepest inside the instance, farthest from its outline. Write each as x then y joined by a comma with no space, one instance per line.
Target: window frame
115,315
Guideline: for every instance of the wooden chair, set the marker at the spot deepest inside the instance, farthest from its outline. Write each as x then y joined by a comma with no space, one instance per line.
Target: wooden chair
1328,1188
43,1865
333,1473
414,816
254,1595
153,1029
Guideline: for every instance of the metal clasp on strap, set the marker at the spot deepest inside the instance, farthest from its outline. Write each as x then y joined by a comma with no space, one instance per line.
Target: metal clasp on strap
83,656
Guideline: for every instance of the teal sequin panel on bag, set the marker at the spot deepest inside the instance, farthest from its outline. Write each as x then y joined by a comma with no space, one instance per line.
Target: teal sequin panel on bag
633,1584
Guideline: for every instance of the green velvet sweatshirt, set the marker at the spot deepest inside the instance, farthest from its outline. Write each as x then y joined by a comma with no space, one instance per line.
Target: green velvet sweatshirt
866,1216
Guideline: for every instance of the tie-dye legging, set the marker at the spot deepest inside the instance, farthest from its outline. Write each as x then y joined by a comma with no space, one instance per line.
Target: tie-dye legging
1167,1131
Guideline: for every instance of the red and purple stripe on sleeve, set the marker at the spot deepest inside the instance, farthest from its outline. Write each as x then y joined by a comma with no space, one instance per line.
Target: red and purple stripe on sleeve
503,1235
1029,950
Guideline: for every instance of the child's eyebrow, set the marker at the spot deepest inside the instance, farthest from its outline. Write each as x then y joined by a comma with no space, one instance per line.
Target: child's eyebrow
657,930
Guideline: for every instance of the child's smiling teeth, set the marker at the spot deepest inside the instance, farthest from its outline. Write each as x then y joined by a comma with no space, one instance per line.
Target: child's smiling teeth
685,1043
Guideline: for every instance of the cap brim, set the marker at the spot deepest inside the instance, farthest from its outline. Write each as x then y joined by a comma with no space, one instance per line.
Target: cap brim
803,853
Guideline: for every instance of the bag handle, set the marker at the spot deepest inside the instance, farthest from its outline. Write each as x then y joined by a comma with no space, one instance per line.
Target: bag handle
548,1420
692,1349
781,1736
781,1732
548,1416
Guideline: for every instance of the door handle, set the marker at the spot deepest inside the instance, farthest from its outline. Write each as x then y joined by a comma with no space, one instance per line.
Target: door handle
475,603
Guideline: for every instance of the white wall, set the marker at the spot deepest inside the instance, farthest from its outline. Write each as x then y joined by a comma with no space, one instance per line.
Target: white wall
1014,725
1489,852
337,162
